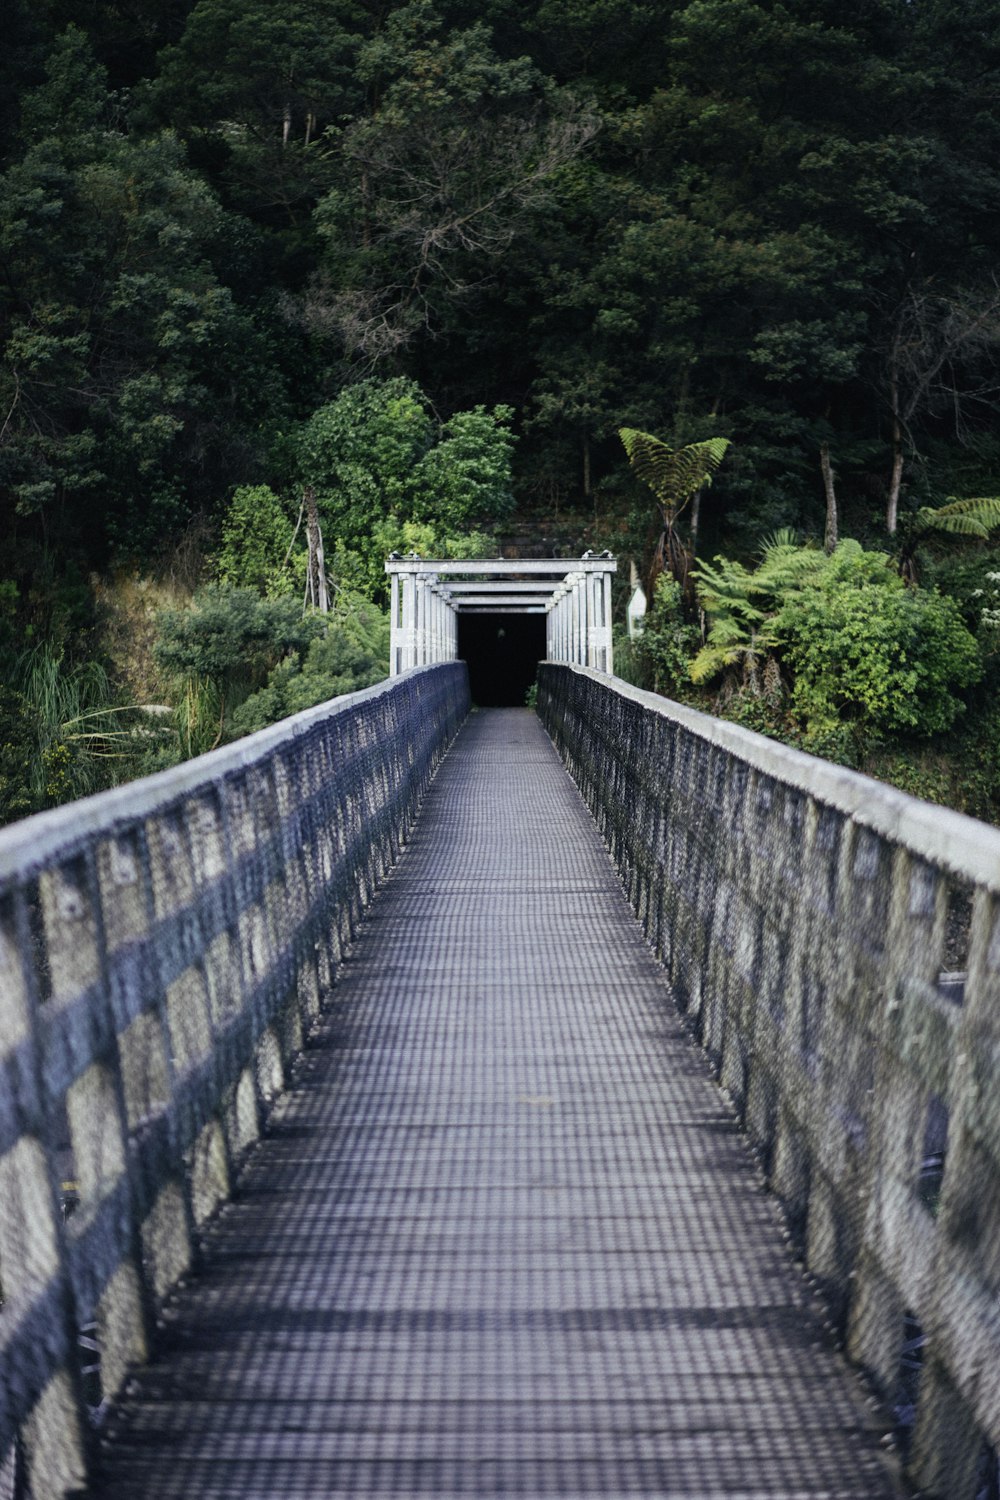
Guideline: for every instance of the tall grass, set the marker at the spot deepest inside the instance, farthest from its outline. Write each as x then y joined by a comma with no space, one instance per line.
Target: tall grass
86,739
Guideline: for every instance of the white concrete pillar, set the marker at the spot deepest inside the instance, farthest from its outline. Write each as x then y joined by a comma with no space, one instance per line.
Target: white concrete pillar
408,583
395,633
425,623
609,655
593,618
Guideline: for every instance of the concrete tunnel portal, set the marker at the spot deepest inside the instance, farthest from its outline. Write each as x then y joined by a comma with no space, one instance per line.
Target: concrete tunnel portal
502,617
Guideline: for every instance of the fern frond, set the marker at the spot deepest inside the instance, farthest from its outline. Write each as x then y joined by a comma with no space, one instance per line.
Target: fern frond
710,661
951,525
723,577
673,474
729,632
977,516
779,541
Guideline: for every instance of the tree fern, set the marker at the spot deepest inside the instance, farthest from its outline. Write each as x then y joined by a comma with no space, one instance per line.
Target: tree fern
741,607
724,590
673,474
975,517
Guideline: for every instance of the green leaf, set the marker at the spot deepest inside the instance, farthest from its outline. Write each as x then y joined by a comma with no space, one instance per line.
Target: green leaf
673,474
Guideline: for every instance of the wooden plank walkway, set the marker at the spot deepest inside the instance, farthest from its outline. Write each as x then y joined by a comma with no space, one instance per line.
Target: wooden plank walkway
502,1238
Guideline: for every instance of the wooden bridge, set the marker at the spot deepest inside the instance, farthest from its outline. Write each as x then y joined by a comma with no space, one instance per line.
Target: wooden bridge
357,1139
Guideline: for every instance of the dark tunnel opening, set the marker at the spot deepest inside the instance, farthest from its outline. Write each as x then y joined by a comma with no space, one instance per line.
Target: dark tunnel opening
502,652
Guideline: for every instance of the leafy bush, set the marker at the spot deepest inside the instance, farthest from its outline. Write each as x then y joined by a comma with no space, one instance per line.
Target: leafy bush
856,646
465,477
334,664
231,633
864,648
353,653
18,749
222,649
668,641
380,467
257,534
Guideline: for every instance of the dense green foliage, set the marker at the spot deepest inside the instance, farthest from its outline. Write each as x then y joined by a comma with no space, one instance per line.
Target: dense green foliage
351,653
428,259
838,643
258,538
771,219
387,478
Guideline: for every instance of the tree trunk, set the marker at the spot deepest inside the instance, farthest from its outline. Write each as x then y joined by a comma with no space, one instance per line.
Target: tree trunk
286,125
695,518
896,481
366,223
317,563
826,468
587,490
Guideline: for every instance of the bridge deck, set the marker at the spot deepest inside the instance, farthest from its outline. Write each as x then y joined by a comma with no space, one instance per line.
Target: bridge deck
502,1238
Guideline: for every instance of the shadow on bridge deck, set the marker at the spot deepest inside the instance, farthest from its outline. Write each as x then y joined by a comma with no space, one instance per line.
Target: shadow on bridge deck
502,1238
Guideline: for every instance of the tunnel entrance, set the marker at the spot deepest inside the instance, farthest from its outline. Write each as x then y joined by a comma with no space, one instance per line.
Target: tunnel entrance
501,615
502,652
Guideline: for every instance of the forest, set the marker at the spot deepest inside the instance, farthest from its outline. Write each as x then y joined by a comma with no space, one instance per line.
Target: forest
400,275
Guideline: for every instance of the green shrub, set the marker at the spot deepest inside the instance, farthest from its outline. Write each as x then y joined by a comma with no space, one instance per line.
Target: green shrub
257,534
18,750
221,649
668,641
864,648
353,653
232,633
333,665
860,654
384,473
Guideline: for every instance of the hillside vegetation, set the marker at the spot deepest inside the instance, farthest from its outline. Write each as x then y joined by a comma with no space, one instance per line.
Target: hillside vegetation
395,276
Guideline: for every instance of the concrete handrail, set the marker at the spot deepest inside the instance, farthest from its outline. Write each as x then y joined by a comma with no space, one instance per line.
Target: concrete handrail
163,948
836,946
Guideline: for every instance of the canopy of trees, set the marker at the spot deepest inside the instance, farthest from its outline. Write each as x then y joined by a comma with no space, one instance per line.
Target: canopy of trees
775,222
485,238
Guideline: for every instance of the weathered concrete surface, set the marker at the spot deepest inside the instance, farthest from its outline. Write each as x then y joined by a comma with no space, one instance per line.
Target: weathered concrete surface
502,1237
163,947
836,947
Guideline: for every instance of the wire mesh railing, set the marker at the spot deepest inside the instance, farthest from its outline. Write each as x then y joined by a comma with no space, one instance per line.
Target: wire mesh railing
835,945
163,949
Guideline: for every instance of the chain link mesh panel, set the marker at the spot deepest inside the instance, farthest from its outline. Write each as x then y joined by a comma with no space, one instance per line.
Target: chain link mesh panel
163,948
836,948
